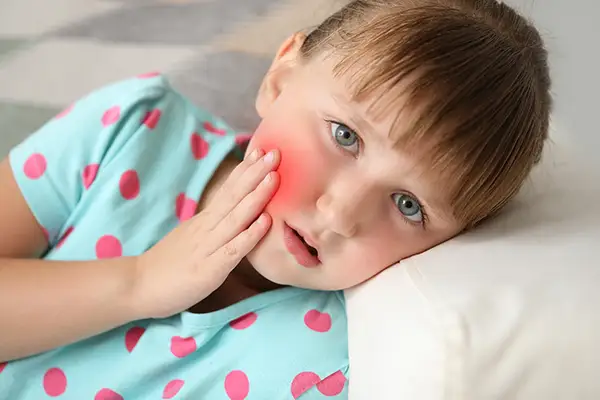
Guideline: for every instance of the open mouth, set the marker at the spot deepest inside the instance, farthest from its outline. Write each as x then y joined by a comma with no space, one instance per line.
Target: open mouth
305,254
313,252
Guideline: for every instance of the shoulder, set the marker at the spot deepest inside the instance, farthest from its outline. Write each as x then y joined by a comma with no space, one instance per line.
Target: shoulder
127,110
124,98
145,85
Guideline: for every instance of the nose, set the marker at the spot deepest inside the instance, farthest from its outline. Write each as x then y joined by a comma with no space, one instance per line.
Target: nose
345,206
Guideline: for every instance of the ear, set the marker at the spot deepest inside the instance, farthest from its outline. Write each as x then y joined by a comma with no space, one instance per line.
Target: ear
284,63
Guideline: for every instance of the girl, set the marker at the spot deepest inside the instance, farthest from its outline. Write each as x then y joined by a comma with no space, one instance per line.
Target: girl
142,258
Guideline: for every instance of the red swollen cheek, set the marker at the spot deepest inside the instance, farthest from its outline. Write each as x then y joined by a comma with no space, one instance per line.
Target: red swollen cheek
293,173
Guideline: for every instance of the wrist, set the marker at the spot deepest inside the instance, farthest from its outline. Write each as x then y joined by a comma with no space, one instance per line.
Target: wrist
130,295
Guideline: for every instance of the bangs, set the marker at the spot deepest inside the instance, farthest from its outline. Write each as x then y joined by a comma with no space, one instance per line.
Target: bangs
462,94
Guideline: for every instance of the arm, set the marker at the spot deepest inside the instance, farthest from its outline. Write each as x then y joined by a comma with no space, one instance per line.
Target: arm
46,304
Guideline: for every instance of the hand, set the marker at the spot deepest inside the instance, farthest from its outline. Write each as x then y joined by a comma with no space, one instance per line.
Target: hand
195,258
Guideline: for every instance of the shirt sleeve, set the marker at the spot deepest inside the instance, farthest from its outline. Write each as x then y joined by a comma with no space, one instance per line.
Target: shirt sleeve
55,165
334,386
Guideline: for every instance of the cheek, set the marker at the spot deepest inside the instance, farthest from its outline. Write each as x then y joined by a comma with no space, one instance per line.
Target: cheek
382,248
300,163
388,244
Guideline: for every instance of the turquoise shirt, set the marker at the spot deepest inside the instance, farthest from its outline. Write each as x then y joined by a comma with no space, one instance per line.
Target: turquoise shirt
111,176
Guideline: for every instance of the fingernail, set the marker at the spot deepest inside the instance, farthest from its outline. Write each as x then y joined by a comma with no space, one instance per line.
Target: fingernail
269,157
267,178
254,155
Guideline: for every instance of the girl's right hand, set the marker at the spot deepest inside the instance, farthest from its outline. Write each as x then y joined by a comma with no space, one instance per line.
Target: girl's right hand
196,257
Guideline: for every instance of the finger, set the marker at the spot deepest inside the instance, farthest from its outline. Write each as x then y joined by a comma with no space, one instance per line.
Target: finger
228,256
244,213
207,218
253,176
236,190
252,158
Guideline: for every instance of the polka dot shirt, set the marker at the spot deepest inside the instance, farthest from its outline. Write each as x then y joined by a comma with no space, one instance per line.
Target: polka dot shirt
111,175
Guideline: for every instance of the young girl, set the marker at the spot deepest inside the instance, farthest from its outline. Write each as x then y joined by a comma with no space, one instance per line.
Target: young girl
143,259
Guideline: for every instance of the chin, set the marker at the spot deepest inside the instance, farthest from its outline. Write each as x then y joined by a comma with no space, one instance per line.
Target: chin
275,267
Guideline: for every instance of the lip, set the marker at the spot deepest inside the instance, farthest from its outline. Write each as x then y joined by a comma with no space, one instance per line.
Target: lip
307,238
297,248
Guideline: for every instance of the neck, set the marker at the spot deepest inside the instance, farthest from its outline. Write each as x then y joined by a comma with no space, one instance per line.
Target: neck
242,283
246,275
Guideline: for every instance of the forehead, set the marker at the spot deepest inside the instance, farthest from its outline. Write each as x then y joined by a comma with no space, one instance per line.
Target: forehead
388,115
392,104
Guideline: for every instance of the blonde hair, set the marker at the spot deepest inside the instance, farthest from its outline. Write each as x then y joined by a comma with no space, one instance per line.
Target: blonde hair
475,71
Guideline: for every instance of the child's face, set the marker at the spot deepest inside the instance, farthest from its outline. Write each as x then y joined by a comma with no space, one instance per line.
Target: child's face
362,203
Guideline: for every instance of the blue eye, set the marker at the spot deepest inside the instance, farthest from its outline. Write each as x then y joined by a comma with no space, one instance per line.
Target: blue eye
344,136
408,206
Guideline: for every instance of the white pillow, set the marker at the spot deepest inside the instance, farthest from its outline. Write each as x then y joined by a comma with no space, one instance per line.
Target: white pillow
508,311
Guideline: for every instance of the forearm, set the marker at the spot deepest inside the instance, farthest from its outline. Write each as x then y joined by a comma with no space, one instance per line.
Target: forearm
47,304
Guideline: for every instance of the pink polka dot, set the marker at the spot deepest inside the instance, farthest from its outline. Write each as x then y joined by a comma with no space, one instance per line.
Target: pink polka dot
64,112
244,321
199,146
237,385
108,246
317,321
172,388
107,394
129,184
2,366
302,382
64,237
89,175
147,75
151,118
55,382
181,347
35,166
133,336
209,127
111,116
185,208
243,138
332,385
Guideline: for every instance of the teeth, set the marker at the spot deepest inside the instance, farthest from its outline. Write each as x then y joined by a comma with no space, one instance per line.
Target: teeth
311,249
